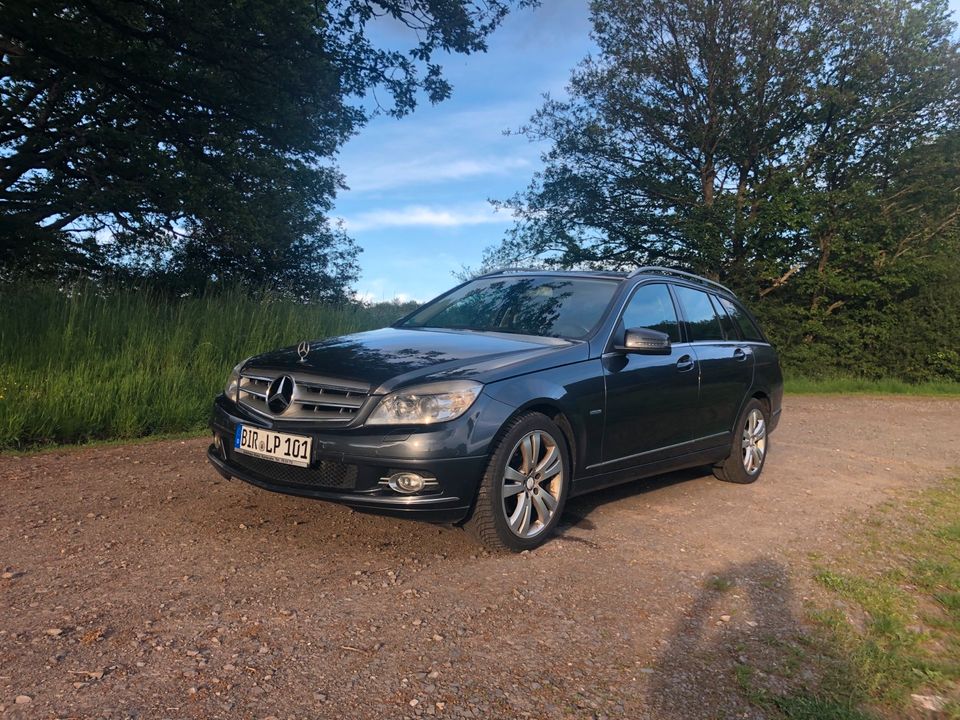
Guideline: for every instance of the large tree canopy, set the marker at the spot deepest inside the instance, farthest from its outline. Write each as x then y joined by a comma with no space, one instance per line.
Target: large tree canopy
196,138
803,151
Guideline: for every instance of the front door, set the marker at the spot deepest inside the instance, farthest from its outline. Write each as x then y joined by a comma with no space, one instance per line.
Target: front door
650,398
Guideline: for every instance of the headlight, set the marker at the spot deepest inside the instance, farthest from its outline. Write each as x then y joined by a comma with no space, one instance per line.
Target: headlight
426,404
233,382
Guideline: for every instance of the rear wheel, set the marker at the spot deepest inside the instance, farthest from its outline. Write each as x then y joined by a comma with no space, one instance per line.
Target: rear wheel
524,488
750,444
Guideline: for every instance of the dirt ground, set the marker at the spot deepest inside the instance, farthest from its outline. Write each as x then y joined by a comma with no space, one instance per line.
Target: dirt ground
138,583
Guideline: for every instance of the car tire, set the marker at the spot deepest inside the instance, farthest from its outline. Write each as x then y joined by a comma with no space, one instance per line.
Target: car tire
750,446
525,486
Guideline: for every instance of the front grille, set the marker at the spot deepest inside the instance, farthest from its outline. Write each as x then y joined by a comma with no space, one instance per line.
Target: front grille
316,399
327,474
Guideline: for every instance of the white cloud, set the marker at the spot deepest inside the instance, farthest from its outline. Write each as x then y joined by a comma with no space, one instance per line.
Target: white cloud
415,277
380,176
373,296
425,216
444,146
381,289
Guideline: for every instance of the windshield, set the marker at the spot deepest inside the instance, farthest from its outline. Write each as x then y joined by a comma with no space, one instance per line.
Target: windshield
546,306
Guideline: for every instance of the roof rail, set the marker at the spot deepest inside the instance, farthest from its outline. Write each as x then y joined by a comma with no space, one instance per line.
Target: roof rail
552,271
655,269
504,271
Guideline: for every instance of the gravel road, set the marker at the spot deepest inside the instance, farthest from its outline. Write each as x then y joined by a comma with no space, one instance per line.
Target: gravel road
137,583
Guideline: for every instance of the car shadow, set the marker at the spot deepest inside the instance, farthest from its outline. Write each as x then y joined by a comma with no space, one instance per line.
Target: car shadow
722,639
577,510
742,648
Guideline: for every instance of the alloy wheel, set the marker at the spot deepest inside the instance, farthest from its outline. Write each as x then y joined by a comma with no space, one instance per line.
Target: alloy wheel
754,442
532,482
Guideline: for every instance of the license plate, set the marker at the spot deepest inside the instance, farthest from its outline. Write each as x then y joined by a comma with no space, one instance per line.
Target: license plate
280,447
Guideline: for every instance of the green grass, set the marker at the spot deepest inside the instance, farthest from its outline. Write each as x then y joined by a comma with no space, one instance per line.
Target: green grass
862,386
719,584
799,705
889,625
92,364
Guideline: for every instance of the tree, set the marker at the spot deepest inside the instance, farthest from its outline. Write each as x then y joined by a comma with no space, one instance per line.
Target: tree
783,148
196,140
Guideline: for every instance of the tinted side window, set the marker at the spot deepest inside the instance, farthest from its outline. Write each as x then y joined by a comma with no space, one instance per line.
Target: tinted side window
702,321
747,328
729,329
651,307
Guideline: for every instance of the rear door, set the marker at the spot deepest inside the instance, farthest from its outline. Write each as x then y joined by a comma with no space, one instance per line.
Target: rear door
650,398
726,365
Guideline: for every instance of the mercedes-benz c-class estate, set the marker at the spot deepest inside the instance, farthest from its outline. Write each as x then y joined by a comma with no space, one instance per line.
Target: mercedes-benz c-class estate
493,404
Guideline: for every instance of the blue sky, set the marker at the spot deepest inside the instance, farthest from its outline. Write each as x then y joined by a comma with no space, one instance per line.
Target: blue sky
419,186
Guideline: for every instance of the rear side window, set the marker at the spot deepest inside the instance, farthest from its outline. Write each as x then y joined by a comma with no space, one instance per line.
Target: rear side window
651,307
743,321
702,321
729,329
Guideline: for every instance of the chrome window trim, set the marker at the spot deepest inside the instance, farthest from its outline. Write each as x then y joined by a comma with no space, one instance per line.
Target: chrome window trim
607,347
671,284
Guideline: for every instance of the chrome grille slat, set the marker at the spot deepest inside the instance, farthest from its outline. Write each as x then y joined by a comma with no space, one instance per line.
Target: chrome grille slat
324,387
314,399
338,406
328,399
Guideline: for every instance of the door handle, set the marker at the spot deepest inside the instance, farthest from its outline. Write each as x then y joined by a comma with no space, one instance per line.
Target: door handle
739,355
685,363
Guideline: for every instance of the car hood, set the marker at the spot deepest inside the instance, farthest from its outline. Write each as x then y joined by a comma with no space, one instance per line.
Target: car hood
394,357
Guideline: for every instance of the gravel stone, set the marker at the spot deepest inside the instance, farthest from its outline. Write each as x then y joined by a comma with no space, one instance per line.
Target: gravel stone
610,618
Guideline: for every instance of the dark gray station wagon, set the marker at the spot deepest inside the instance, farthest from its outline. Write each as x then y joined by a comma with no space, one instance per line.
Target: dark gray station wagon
492,404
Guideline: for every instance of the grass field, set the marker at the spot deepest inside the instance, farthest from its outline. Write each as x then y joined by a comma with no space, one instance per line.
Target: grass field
90,365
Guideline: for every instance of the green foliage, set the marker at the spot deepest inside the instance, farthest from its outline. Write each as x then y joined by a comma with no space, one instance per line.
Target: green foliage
188,141
806,153
94,363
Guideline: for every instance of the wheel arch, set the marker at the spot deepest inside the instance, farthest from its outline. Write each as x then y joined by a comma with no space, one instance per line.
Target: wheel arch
549,396
558,416
764,398
544,406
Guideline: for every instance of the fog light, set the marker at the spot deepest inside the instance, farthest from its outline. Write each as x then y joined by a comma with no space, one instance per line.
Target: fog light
408,482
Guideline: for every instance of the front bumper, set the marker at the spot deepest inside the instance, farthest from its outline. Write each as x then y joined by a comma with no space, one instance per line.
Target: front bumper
347,465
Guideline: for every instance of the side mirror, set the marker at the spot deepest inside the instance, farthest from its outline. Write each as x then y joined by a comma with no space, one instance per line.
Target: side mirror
645,341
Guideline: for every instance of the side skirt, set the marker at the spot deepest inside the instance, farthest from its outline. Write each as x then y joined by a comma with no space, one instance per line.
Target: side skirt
709,456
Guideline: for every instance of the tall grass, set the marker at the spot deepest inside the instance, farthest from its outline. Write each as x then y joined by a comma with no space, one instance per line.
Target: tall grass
90,363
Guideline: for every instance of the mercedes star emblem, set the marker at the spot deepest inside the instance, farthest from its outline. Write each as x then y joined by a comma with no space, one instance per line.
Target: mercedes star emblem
303,349
280,394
